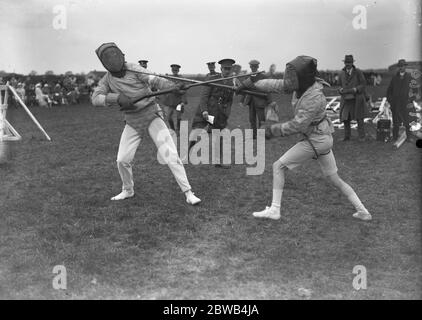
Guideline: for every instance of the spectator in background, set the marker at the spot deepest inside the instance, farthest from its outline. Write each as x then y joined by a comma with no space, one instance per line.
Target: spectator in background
398,98
174,103
30,94
76,94
90,82
13,82
256,104
211,68
20,90
43,99
143,63
378,80
57,94
237,68
372,79
271,71
353,104
46,89
336,79
73,81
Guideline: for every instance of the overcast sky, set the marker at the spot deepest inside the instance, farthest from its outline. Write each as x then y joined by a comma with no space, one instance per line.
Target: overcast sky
192,32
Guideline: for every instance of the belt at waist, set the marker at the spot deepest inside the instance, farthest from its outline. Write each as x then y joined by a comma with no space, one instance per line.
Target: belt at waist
316,123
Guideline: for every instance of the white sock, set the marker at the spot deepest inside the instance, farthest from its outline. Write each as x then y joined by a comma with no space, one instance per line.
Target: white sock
354,199
276,203
188,193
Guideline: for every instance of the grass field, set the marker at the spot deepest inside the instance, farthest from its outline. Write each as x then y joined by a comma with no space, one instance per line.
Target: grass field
55,210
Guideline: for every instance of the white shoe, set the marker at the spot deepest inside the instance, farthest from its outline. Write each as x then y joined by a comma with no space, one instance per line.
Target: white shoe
123,195
267,213
363,215
192,199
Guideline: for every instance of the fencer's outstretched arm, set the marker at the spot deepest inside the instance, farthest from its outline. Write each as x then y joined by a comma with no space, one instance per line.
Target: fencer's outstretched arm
270,85
154,82
102,95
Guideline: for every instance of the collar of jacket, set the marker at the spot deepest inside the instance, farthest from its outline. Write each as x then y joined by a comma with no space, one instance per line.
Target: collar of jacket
353,69
317,86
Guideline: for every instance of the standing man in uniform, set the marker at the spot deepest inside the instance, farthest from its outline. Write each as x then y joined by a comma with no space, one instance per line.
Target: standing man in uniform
256,104
120,86
214,107
174,102
353,103
310,120
143,63
398,98
211,68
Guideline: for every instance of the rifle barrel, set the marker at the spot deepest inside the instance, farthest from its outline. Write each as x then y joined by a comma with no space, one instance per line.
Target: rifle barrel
211,82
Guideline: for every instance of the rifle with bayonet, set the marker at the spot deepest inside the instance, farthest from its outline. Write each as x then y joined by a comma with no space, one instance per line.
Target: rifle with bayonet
195,83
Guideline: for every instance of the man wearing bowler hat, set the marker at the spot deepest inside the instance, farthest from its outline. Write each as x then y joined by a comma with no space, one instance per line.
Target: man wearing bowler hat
398,98
352,104
174,102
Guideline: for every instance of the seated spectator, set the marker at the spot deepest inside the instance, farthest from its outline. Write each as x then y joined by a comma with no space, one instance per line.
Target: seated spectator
20,90
378,80
46,89
57,94
30,95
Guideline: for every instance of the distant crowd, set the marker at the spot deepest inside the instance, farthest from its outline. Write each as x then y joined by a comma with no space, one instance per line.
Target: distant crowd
372,78
49,91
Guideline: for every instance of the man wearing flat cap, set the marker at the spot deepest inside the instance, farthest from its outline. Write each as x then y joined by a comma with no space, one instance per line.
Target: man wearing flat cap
214,109
174,102
120,86
256,104
211,68
353,102
398,98
143,63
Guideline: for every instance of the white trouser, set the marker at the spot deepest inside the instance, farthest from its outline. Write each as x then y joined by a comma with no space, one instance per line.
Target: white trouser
160,134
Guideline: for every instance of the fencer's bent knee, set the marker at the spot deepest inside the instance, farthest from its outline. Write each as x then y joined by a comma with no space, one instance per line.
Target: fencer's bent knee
124,159
278,166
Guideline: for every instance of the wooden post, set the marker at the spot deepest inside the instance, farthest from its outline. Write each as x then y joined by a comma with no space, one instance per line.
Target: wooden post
29,112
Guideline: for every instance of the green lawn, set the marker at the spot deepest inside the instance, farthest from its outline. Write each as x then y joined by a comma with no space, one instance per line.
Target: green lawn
55,210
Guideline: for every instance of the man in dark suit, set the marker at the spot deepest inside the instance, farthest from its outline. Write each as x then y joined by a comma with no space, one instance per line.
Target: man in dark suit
353,103
398,98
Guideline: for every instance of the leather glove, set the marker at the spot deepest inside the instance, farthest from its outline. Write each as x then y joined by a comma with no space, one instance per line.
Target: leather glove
267,127
125,102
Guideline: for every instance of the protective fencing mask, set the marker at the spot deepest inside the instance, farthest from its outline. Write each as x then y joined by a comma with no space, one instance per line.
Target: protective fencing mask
300,74
291,81
112,58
